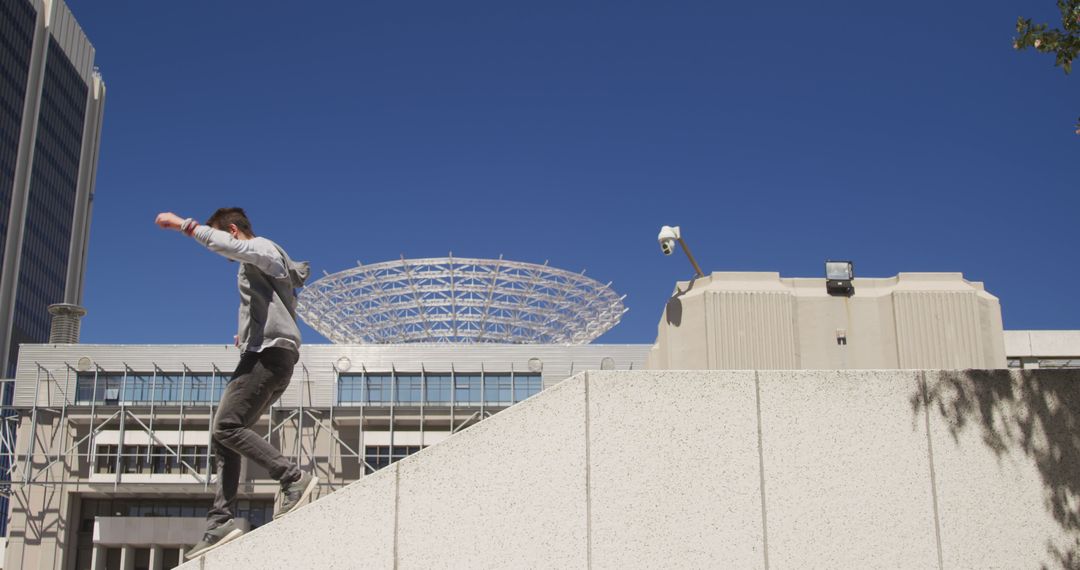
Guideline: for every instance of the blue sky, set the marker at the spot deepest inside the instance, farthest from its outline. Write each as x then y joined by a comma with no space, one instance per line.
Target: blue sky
904,136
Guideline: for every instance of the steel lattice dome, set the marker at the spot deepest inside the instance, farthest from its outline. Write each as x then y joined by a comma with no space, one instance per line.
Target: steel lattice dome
459,300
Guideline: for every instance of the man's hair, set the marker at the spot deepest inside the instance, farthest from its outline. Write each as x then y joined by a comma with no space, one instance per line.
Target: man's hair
221,219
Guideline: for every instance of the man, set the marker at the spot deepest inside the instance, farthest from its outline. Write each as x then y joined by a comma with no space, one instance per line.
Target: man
269,341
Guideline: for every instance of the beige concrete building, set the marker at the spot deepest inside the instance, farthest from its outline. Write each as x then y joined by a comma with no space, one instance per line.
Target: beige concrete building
764,322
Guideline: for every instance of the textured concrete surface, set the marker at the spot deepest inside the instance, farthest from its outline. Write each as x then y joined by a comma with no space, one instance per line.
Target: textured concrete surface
506,493
847,472
352,528
1006,458
647,510
1046,344
178,531
722,469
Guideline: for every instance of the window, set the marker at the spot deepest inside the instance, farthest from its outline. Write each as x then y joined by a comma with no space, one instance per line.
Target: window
467,389
379,456
526,385
409,389
105,460
169,388
438,389
100,387
137,388
497,389
151,460
252,510
195,456
203,388
379,388
111,388
350,388
161,461
1059,362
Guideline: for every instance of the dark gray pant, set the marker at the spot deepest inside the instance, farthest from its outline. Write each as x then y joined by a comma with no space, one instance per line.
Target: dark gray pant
258,382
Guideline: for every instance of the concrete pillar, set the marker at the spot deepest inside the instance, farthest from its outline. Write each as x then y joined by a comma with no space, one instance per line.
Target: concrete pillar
183,552
156,553
127,558
97,561
80,226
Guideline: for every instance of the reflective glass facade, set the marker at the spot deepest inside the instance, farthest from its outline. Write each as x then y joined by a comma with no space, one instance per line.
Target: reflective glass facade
51,202
169,388
16,42
17,24
437,389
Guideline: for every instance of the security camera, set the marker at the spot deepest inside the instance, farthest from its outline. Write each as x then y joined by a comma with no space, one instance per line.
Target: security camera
667,238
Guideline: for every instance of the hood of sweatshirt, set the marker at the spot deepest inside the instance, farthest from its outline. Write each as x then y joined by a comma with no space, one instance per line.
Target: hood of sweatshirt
298,271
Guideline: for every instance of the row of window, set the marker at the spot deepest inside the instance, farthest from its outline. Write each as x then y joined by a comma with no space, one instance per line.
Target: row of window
112,388
157,460
152,460
373,389
257,512
437,389
1060,363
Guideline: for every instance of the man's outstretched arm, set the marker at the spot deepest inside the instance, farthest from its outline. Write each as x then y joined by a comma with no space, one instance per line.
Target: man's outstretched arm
266,259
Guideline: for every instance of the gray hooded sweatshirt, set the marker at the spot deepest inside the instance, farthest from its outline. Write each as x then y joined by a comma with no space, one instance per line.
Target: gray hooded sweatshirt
267,280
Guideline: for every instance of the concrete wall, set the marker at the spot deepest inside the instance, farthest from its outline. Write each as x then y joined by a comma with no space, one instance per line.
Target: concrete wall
168,531
722,469
40,537
1047,344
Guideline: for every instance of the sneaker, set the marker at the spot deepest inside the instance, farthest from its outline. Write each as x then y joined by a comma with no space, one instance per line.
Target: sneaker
214,538
295,493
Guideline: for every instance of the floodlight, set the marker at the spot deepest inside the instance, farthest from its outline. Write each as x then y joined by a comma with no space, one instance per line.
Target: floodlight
838,278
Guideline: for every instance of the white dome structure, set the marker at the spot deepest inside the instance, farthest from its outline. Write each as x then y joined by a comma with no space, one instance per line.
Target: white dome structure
459,300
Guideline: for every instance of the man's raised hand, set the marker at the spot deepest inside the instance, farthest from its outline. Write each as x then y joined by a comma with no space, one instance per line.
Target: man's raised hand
169,221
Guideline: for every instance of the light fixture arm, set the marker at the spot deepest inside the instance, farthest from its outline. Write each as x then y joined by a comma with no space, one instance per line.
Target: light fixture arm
690,256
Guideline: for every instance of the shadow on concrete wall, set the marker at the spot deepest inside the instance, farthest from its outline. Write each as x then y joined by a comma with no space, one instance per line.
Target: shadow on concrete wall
674,309
1033,413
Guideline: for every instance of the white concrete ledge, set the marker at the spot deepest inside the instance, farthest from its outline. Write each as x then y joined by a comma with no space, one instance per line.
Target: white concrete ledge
721,469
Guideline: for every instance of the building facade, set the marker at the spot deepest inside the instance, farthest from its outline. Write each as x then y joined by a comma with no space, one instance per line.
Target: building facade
762,321
120,474
51,106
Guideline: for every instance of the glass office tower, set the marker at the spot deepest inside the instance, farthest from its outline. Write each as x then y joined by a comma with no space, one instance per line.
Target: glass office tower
51,104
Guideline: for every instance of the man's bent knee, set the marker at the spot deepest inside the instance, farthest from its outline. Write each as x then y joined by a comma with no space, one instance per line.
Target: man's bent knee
225,432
